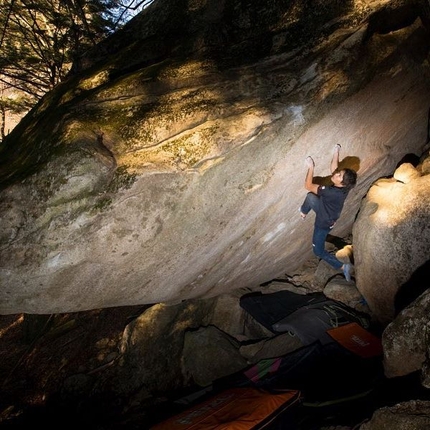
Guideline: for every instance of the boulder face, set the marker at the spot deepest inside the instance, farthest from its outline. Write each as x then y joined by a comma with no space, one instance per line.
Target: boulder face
169,166
392,240
405,341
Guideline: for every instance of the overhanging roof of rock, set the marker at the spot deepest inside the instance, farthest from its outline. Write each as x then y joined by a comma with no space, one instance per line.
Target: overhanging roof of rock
217,36
174,174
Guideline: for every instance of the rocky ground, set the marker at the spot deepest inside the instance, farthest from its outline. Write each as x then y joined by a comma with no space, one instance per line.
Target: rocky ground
36,365
44,358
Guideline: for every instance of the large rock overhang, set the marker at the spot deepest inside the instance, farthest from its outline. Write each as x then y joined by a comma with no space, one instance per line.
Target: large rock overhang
173,169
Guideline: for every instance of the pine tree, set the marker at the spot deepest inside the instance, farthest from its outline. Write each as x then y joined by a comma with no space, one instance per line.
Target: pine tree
40,40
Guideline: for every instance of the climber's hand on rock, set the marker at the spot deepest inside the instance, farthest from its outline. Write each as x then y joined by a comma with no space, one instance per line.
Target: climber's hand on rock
336,149
309,162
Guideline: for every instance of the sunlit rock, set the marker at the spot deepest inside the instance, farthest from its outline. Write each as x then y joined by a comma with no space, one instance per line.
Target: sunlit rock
392,242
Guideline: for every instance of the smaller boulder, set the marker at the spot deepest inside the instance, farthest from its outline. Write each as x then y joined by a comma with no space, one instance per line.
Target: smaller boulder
210,354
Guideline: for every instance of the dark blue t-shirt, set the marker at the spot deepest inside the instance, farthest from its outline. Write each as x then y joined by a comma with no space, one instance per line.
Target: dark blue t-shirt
330,205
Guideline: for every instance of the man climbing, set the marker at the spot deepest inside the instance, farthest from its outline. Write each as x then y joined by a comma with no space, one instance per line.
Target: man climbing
327,203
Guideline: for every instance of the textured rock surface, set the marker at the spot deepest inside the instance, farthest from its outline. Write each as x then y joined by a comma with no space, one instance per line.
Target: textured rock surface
406,342
413,415
392,240
211,342
171,166
151,347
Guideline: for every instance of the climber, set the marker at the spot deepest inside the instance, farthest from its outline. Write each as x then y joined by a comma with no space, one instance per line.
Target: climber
327,203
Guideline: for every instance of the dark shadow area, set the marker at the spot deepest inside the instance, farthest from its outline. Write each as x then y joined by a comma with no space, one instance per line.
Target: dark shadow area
409,158
389,19
428,128
413,288
338,242
349,162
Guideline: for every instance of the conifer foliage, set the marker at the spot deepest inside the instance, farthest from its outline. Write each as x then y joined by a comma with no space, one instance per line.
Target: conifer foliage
40,39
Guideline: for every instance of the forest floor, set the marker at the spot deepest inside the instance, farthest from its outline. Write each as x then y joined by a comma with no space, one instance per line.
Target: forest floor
42,355
39,354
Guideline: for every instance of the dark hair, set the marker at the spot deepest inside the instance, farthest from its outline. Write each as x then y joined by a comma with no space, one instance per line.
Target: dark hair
349,178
